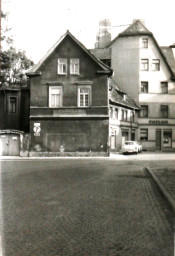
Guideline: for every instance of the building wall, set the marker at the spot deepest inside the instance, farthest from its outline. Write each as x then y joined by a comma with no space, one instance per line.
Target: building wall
125,63
120,130
70,135
127,53
69,128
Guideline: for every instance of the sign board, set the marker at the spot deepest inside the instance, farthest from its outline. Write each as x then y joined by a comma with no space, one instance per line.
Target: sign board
158,122
36,129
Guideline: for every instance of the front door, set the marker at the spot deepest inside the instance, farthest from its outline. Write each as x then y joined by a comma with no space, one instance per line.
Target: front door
158,139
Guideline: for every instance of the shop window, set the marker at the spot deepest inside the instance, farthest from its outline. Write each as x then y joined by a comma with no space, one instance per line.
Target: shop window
144,42
74,66
144,64
62,66
125,134
84,96
55,96
164,87
143,134
155,65
167,139
12,104
164,111
144,87
144,111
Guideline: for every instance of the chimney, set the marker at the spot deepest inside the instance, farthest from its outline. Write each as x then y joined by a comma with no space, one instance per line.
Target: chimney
142,21
104,35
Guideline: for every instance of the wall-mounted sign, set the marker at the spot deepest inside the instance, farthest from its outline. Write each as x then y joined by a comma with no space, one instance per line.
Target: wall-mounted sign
158,122
36,129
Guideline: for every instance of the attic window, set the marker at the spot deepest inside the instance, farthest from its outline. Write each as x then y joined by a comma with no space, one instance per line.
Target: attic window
62,66
124,96
74,66
144,42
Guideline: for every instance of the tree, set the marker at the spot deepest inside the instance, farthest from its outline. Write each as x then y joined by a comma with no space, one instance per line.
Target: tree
14,62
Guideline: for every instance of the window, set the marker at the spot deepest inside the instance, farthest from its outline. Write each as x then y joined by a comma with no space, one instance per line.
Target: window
144,87
164,86
74,66
116,113
111,112
123,114
126,115
144,65
62,66
143,134
167,139
156,65
164,111
84,97
144,42
125,134
132,116
12,105
144,111
55,96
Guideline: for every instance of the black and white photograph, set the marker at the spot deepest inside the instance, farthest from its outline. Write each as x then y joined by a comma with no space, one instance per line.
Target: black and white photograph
87,128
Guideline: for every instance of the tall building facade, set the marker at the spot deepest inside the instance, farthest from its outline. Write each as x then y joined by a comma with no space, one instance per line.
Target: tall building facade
146,72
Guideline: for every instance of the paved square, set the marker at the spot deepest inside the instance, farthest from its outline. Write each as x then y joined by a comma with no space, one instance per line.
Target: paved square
83,207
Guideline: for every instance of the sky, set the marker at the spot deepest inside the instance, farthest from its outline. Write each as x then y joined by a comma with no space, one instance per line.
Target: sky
38,24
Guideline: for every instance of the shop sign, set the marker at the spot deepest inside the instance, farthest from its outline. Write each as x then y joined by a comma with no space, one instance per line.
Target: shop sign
158,122
36,129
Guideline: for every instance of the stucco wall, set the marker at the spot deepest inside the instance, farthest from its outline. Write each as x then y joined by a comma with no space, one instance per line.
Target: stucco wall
73,135
125,63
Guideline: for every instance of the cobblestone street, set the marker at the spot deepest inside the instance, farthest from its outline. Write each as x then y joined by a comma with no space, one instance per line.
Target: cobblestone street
83,207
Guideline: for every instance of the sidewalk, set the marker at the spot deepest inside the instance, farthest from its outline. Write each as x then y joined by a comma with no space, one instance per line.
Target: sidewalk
114,156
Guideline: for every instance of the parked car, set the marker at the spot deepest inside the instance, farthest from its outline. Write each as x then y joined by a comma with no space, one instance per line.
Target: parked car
132,147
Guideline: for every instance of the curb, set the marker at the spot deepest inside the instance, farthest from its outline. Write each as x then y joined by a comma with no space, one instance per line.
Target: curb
162,189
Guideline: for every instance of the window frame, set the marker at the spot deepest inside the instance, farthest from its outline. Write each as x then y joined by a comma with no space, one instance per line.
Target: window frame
144,84
144,64
12,105
144,43
61,96
141,132
72,71
141,111
155,65
163,87
89,99
60,70
164,111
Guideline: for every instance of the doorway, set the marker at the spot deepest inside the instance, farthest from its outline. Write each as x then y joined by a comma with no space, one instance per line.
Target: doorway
158,139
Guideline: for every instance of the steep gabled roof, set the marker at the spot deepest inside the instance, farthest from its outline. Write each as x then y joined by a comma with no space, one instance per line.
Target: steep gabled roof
167,51
104,67
137,29
101,53
116,96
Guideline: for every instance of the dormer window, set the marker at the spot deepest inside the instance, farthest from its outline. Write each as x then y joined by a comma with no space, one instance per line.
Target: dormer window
144,42
62,66
74,66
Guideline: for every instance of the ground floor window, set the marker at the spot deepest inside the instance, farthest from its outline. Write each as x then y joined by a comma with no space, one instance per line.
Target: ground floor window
132,135
125,134
143,134
167,138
